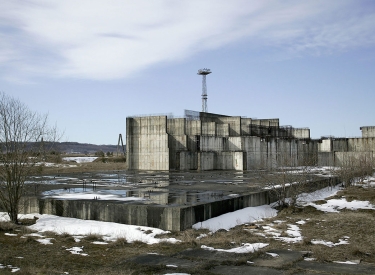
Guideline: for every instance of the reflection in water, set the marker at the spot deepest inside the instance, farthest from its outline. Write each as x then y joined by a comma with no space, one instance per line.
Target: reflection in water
148,187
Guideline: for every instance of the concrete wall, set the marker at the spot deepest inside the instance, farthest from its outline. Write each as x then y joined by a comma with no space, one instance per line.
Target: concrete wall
193,127
155,143
222,130
325,146
303,133
207,161
208,128
230,161
147,143
342,158
234,144
211,143
361,144
245,126
340,144
368,131
188,160
263,152
326,158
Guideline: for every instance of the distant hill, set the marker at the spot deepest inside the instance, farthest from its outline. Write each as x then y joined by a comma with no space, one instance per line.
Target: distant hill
83,148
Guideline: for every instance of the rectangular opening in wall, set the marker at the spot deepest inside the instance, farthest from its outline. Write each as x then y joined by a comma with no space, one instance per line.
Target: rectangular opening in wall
198,142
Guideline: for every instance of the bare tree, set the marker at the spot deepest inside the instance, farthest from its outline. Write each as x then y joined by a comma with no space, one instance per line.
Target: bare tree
22,132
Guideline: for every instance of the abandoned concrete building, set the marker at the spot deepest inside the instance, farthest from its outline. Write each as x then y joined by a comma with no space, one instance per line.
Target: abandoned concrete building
207,141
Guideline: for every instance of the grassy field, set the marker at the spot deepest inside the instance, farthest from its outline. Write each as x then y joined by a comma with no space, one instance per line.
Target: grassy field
17,249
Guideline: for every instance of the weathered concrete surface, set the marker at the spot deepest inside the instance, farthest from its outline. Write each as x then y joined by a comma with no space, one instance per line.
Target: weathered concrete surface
333,268
243,269
154,259
284,258
213,262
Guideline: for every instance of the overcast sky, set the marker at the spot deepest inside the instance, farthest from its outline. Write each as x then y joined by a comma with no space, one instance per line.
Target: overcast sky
89,64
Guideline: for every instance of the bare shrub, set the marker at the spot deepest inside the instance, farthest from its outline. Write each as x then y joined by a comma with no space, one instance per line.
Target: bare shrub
352,168
120,242
7,226
93,237
285,178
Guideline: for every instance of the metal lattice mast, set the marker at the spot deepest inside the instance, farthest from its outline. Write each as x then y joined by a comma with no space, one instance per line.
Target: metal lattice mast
204,72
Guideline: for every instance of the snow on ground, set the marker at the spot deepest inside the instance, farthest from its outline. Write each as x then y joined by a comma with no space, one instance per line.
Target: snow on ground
108,230
370,181
252,214
12,268
271,231
346,262
50,164
80,159
232,219
334,205
113,231
344,240
245,248
306,198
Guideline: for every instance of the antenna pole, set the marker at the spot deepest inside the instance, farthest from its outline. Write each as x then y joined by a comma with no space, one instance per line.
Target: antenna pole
204,72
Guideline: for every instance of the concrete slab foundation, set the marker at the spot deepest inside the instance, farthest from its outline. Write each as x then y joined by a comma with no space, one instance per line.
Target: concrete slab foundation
170,201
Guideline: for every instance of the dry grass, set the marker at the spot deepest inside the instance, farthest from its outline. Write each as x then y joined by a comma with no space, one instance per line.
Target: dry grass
113,258
86,167
358,193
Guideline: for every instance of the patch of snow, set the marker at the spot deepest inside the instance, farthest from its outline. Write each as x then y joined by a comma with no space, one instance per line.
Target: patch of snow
10,234
201,236
80,159
232,219
321,194
77,251
109,231
329,243
272,254
33,235
334,205
245,248
45,241
97,242
294,233
171,265
12,268
346,262
310,259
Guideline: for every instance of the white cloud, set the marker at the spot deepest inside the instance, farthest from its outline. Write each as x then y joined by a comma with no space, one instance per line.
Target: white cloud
114,39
